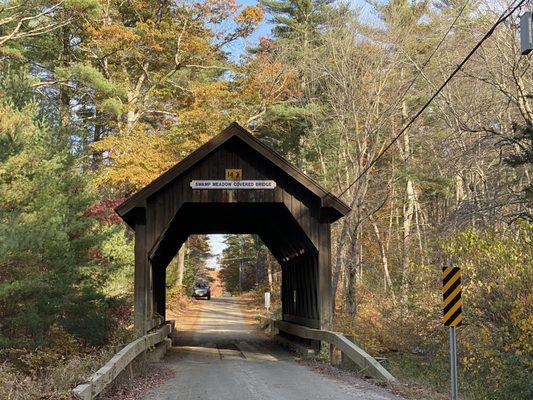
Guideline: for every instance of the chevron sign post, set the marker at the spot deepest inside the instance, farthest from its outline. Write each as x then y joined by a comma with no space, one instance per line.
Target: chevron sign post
452,310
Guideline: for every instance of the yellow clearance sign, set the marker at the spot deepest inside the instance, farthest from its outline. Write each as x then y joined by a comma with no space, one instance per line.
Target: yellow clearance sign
451,296
233,174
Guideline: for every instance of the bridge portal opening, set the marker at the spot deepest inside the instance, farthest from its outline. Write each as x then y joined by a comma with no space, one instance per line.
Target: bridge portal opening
235,184
228,264
277,228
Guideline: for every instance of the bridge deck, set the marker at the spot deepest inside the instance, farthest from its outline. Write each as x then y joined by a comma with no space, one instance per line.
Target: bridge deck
224,358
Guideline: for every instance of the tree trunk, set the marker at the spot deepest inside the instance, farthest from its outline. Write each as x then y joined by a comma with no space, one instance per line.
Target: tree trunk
181,265
97,155
64,91
407,221
360,259
339,265
351,269
408,208
387,282
351,272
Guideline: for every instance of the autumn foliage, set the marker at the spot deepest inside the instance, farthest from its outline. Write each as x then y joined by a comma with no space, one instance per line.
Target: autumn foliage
98,98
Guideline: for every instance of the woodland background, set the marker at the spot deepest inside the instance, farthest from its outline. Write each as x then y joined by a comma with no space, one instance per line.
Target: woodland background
98,97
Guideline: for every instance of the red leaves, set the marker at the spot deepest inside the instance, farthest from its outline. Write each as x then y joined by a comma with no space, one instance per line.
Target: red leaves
96,254
104,211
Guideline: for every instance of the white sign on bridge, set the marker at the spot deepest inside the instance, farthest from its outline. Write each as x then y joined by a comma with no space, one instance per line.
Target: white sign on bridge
220,184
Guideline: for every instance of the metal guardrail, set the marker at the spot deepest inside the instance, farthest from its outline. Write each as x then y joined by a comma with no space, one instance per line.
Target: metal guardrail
365,361
105,375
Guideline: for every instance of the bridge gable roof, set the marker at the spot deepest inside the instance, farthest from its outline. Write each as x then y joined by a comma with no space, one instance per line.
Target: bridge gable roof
336,208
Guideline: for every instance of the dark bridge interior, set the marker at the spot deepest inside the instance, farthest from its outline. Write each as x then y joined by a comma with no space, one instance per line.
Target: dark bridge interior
276,227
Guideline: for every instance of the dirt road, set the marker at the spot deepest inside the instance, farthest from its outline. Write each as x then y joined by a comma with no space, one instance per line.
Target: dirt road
221,358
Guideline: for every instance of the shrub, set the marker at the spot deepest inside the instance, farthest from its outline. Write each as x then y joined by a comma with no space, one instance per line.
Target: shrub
495,342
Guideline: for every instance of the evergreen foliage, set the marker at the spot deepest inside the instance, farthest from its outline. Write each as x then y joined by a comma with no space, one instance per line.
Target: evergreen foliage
243,263
296,18
49,276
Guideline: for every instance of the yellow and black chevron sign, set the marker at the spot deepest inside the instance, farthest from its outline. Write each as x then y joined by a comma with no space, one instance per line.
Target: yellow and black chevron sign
451,296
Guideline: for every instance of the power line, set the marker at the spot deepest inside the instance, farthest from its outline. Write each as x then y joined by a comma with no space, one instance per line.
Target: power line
489,33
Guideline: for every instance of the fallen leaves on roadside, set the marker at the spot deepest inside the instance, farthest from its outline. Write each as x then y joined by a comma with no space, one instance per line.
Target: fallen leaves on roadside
139,386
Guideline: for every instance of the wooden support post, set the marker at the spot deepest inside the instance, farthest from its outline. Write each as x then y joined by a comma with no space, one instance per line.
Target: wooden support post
324,277
159,274
142,301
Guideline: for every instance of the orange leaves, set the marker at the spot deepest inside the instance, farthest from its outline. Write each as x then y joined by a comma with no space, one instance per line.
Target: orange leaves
157,38
216,11
248,20
250,14
195,47
203,113
226,21
113,37
136,158
169,59
267,81
212,106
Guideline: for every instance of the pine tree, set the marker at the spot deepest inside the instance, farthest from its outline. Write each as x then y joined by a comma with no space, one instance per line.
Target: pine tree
50,270
243,263
298,31
292,18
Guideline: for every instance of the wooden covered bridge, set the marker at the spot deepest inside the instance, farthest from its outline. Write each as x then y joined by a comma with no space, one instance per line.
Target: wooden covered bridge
235,184
269,197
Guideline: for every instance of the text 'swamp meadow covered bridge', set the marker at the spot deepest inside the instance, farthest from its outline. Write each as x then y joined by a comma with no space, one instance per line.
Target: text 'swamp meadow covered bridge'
236,184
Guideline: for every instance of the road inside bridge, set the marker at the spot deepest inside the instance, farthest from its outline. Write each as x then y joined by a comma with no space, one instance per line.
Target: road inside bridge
222,358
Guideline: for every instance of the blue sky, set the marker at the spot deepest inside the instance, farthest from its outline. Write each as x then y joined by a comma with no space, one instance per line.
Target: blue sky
217,245
238,47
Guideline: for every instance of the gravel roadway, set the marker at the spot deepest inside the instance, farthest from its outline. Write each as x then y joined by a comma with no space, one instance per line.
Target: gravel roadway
221,357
